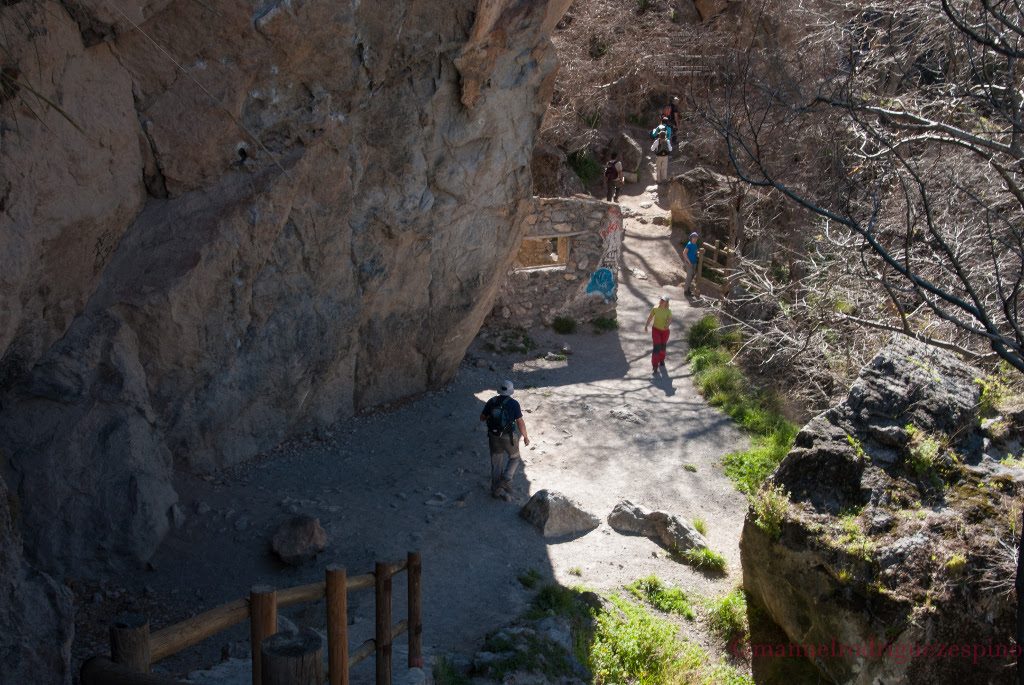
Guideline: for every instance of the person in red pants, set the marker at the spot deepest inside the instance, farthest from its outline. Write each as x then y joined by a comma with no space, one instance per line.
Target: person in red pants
661,317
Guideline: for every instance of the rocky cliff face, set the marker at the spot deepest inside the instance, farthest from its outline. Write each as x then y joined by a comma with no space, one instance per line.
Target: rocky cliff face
891,554
224,222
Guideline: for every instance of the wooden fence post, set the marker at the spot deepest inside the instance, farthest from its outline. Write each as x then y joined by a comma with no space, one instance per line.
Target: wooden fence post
129,642
382,634
337,625
292,659
263,624
413,570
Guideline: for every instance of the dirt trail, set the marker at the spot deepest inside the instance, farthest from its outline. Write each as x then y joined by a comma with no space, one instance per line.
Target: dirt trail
416,478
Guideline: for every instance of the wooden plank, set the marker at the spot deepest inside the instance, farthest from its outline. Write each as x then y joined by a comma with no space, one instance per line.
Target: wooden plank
362,652
129,642
172,639
415,567
337,625
382,628
399,628
262,624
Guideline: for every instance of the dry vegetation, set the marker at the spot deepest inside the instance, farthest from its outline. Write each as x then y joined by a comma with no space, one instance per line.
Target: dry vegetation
881,142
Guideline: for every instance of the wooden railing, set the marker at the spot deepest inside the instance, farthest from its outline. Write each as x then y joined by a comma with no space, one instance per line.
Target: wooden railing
714,259
133,649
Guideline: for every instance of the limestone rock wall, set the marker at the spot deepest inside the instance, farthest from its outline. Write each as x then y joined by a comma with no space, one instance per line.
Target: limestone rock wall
535,296
897,532
224,222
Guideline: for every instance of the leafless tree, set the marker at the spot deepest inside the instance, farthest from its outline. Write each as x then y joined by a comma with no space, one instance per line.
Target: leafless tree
897,125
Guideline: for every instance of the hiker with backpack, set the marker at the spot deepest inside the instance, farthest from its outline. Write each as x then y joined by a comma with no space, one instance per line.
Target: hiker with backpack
671,112
666,127
612,178
661,148
504,418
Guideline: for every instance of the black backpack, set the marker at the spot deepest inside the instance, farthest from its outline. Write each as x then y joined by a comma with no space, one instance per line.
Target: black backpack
610,172
497,420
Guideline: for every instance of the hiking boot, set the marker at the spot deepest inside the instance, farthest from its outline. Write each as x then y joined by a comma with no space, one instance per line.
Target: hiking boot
654,374
662,366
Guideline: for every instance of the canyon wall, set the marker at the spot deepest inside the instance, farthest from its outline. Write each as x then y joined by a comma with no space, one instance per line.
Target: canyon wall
225,222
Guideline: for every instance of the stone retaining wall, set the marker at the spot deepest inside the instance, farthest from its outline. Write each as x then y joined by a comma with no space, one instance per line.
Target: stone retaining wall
584,286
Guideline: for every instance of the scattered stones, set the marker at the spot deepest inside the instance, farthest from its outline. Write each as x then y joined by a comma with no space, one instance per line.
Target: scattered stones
629,413
299,539
557,516
638,273
671,532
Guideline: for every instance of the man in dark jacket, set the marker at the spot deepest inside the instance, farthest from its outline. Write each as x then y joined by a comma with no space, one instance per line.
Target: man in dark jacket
504,419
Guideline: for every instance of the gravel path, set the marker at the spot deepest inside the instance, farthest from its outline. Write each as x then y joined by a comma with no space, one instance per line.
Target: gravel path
415,477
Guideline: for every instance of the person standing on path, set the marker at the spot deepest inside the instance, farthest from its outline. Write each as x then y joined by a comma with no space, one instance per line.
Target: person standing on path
692,255
661,317
504,416
661,148
612,178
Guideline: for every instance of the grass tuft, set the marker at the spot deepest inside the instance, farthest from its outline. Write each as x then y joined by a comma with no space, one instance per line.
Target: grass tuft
727,615
705,559
770,505
662,597
724,385
701,525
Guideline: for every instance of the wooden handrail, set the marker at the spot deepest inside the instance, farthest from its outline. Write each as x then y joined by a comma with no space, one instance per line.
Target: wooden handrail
184,634
172,639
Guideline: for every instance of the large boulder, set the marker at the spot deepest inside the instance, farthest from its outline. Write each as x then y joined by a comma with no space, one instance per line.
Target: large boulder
557,516
312,221
668,530
298,540
892,528
630,152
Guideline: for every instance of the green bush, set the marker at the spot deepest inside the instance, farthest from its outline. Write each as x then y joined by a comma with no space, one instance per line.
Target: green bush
703,333
564,325
770,505
662,597
585,166
727,615
704,558
632,646
529,578
603,324
701,525
445,673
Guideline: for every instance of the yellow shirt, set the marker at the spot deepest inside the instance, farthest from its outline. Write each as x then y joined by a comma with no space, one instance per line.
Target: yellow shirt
662,315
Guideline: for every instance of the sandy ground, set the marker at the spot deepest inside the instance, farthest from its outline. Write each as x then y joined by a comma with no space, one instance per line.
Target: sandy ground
416,477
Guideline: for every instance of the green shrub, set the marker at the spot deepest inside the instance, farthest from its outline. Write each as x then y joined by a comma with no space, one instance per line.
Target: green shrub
585,165
750,468
529,578
664,598
703,333
632,646
770,505
727,615
701,526
556,600
603,324
445,673
704,358
564,325
704,558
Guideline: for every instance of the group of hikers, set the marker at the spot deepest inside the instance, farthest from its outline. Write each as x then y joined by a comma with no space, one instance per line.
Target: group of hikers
664,143
502,414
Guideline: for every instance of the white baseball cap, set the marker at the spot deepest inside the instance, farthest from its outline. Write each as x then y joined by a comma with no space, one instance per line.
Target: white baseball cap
506,388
